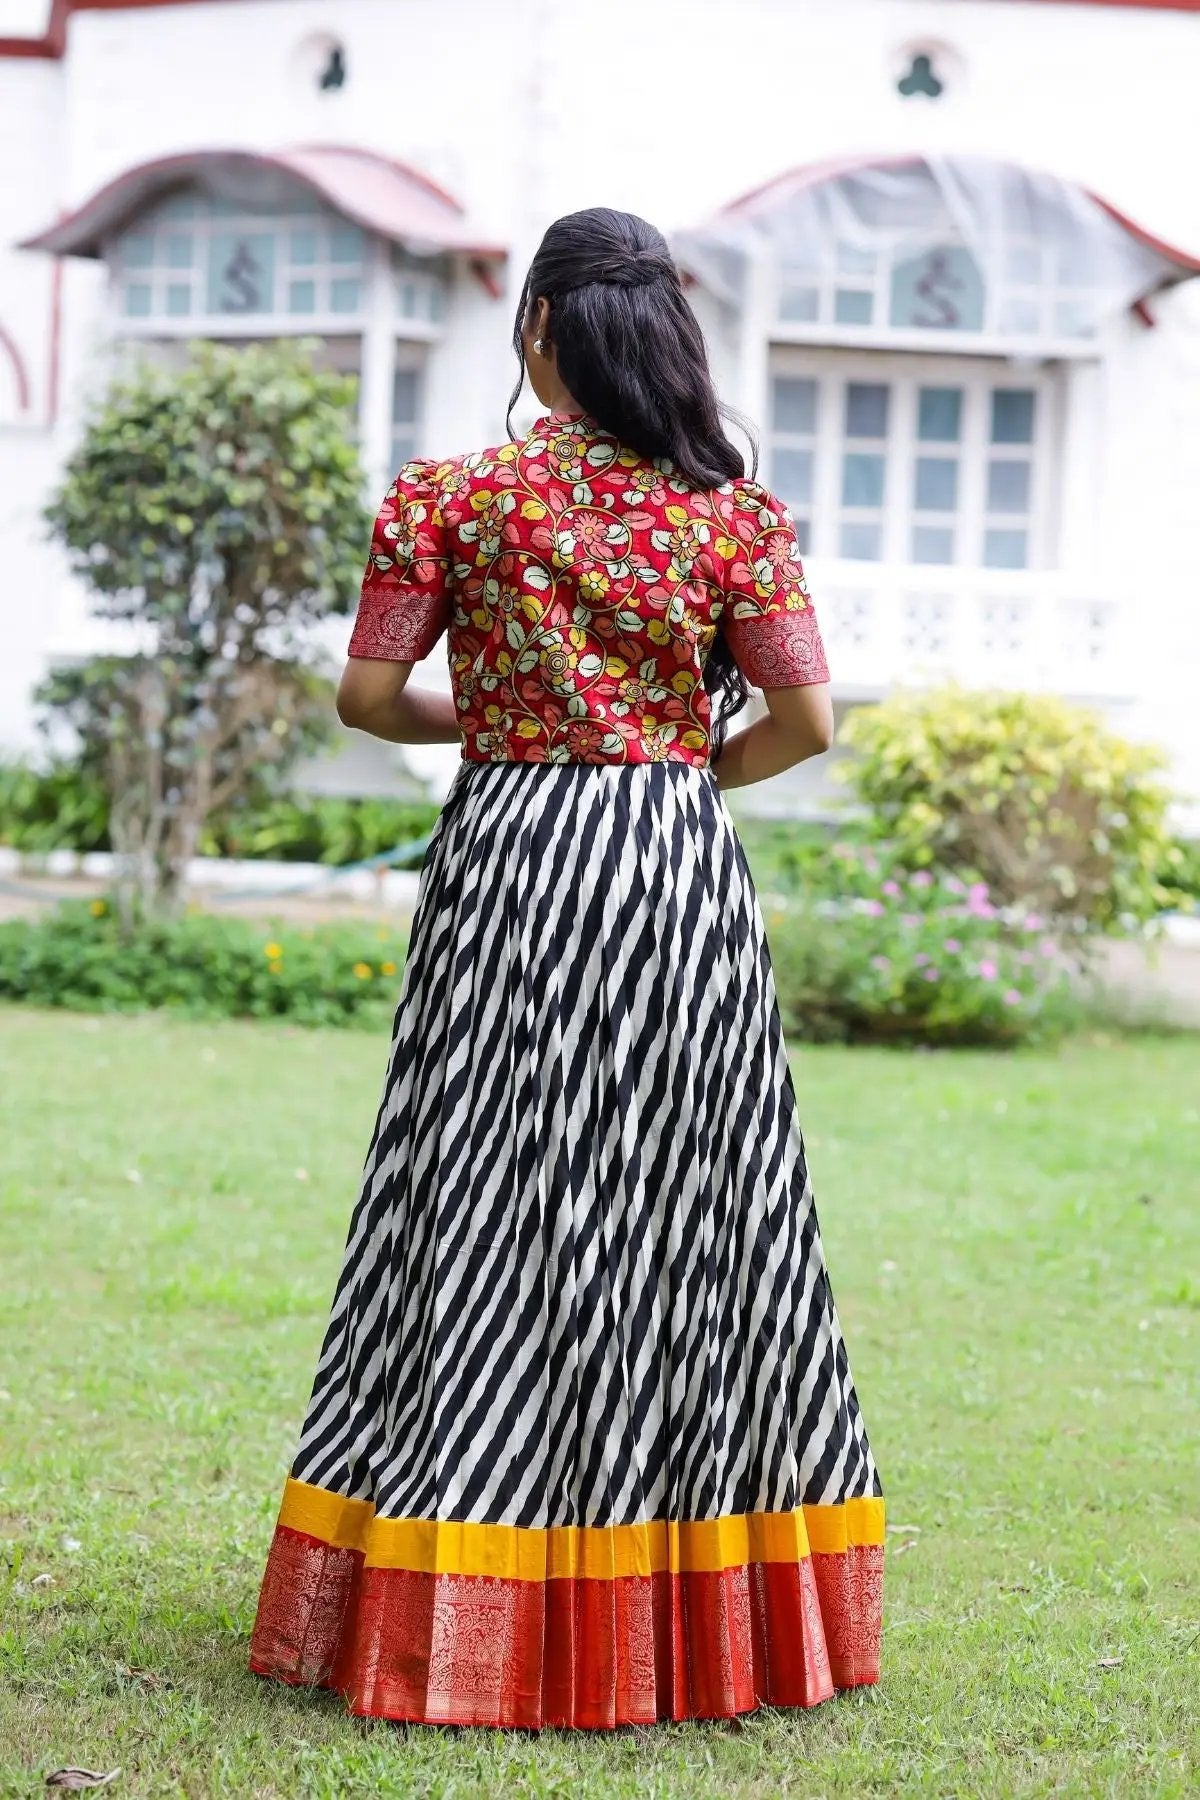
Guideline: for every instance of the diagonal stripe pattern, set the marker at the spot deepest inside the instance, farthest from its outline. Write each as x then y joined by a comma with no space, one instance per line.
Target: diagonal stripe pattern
584,1282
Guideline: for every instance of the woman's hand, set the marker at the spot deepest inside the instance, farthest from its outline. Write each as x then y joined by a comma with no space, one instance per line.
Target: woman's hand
799,724
373,696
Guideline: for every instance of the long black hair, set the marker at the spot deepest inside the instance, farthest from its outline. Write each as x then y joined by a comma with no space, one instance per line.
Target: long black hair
631,352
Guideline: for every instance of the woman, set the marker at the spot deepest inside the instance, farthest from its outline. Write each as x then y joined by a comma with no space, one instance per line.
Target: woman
583,1446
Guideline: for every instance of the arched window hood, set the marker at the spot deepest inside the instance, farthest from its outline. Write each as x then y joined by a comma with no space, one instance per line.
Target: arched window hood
385,197
926,248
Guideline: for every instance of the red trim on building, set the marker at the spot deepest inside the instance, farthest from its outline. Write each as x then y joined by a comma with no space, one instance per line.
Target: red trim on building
391,199
812,174
53,41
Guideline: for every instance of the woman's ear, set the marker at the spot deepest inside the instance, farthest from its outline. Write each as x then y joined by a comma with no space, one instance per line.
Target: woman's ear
541,319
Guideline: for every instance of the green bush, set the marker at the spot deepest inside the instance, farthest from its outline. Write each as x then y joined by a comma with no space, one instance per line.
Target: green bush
64,807
915,957
202,965
321,828
1035,796
61,807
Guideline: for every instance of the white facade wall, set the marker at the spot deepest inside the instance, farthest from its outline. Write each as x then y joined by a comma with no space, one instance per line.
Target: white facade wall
529,108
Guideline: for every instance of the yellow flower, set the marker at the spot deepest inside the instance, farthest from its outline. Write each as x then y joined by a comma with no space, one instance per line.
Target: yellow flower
275,967
387,968
363,971
273,952
99,908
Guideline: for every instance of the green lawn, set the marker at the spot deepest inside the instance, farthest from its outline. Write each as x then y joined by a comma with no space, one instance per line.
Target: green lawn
1013,1247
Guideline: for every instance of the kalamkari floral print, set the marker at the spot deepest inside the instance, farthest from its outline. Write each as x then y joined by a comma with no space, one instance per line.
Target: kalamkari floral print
581,585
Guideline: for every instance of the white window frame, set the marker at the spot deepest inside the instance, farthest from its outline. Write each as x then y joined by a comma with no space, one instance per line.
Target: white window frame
1041,291
401,312
832,369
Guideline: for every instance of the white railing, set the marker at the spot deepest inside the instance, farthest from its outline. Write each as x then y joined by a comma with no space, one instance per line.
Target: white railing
888,624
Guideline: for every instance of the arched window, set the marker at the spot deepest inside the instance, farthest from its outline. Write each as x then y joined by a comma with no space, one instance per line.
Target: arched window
214,266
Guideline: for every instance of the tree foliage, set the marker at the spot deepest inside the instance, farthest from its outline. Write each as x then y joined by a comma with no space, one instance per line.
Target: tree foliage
216,511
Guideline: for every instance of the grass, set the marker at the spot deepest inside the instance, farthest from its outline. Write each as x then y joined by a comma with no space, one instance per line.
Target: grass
1013,1249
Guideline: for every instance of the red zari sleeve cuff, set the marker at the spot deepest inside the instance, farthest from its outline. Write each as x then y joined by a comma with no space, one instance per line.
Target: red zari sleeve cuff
779,648
398,627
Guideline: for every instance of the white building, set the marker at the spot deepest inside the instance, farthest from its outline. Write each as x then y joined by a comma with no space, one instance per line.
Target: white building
941,249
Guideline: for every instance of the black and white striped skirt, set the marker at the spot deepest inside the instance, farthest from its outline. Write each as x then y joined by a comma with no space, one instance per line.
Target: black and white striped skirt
583,1446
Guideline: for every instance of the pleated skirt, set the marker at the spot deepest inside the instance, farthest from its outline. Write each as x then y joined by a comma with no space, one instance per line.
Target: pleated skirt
583,1447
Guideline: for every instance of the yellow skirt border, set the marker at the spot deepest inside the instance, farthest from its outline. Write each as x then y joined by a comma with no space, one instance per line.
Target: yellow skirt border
517,1553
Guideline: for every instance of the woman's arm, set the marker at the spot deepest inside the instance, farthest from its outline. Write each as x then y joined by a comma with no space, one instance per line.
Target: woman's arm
799,724
373,696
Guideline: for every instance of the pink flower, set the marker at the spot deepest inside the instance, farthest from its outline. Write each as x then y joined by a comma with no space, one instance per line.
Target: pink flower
920,958
1033,923
910,919
952,946
931,974
1025,956
923,879
873,907
1048,947
891,889
881,962
1011,997
979,908
978,890
953,885
988,970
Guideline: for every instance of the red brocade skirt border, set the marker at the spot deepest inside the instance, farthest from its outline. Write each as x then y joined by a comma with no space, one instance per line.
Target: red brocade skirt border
444,1647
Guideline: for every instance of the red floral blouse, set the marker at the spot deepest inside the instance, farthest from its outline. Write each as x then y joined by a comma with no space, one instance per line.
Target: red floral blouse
581,585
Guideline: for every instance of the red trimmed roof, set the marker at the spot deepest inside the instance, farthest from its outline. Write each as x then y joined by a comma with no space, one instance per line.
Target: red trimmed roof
812,174
53,40
382,195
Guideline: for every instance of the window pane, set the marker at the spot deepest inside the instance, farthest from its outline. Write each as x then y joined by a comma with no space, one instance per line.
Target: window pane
932,544
852,259
936,485
404,448
137,251
1008,487
852,306
862,543
939,419
798,303
137,300
404,395
803,529
344,295
302,296
345,244
178,248
179,299
1012,416
302,248
866,409
862,479
1021,315
1005,549
793,403
792,475
241,272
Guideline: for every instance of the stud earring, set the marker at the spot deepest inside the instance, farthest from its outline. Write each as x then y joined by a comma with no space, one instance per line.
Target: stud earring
539,345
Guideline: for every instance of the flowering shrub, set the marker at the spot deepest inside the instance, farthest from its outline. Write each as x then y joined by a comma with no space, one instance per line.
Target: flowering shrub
1036,796
916,955
202,965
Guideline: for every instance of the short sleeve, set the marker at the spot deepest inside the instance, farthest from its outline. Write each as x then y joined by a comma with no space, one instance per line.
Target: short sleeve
769,620
405,604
